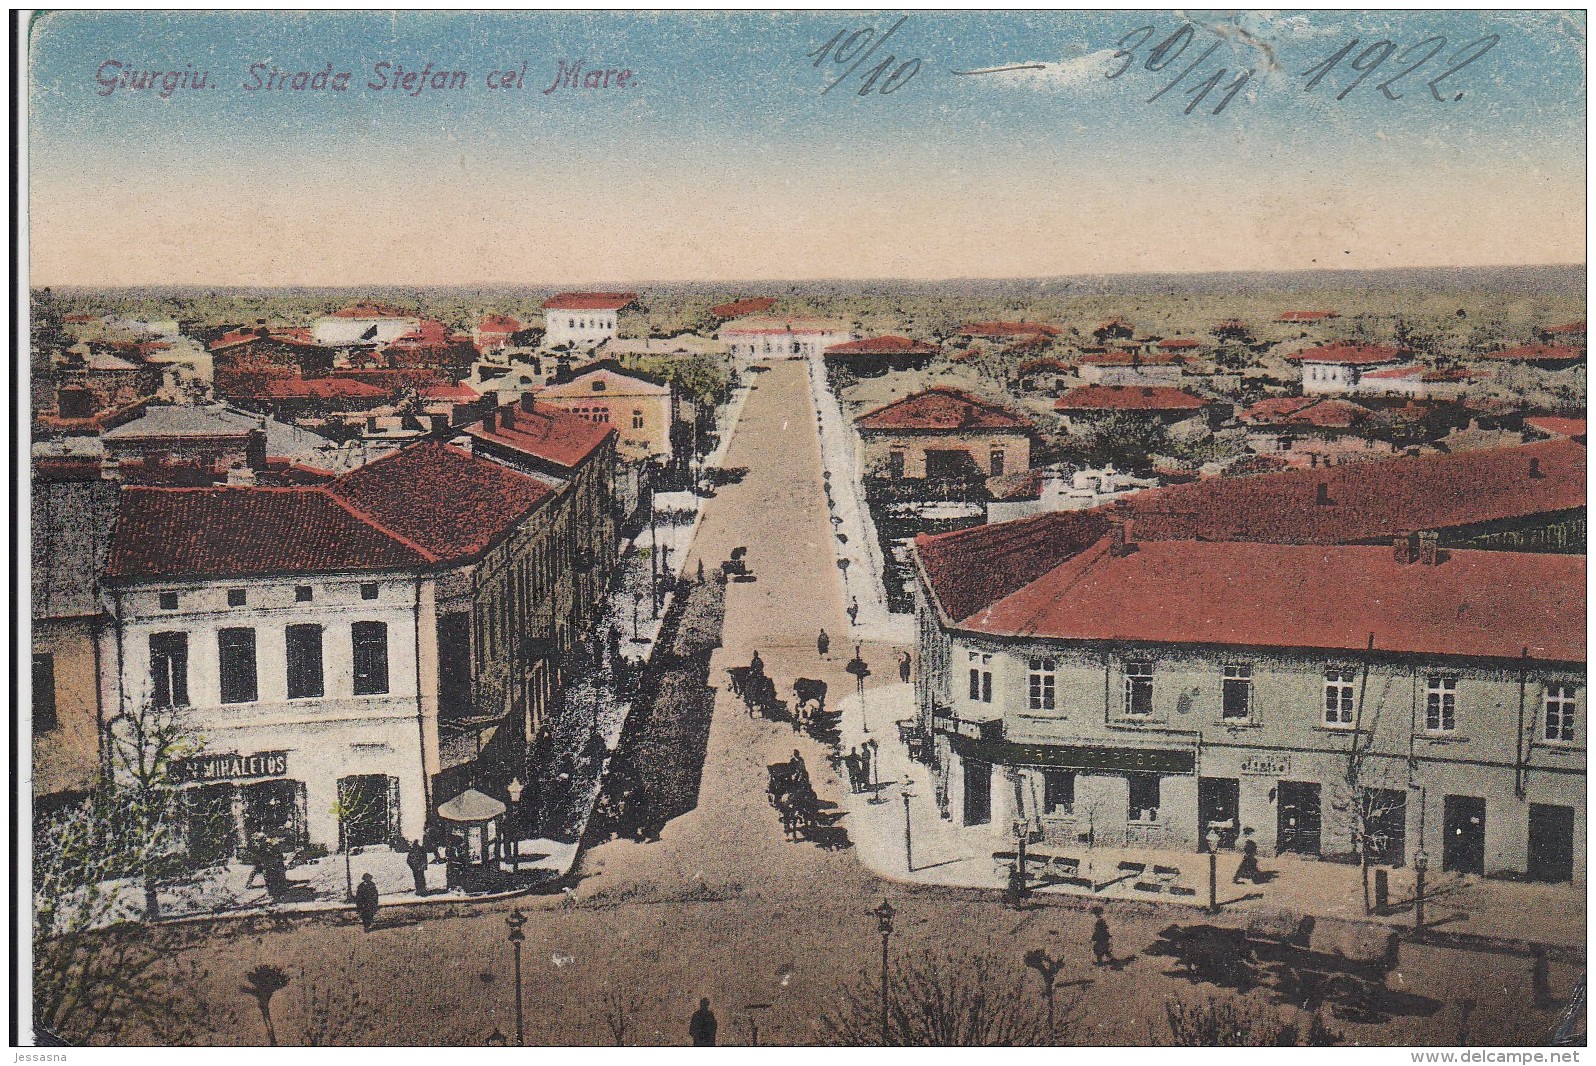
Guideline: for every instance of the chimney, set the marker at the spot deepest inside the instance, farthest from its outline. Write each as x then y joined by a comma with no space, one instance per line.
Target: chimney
490,421
1535,467
1405,548
1322,494
1119,542
528,402
1429,548
508,416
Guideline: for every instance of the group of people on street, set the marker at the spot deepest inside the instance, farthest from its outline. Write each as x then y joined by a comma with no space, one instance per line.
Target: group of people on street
863,766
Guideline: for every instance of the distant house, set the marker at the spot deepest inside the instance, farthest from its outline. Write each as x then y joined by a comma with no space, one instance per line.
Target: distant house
942,433
754,305
640,407
495,332
583,319
768,337
1541,356
1180,345
1115,329
1550,426
1116,367
1306,317
1308,431
288,397
1416,383
1338,368
877,355
364,324
206,442
1082,408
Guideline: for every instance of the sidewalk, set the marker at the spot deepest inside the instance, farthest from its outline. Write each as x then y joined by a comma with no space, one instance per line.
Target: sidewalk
863,580
944,853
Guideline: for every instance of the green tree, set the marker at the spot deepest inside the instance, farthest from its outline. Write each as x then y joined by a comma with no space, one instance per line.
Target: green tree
1127,442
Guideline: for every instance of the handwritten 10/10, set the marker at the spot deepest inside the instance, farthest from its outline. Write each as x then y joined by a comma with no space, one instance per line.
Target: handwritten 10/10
1167,51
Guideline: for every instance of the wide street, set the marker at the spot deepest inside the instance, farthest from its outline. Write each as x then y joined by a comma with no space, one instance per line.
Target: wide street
724,907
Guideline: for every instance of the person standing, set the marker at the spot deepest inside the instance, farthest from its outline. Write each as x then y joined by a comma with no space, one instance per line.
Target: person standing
703,1025
852,762
416,859
823,644
1247,869
853,612
366,901
1102,942
864,766
756,665
903,667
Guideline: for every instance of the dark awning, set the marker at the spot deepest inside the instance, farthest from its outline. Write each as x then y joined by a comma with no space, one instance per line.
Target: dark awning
1078,757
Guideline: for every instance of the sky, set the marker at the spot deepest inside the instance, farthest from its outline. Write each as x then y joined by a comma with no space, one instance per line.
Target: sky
724,157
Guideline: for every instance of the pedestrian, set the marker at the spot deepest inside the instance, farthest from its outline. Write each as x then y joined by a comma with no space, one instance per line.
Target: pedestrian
1247,869
416,859
756,665
864,765
274,870
823,644
853,612
903,667
1102,943
702,1027
366,901
853,764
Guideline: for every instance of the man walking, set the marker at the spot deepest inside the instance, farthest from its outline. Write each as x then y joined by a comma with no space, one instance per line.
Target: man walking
853,612
366,901
903,667
823,644
853,762
416,859
1102,943
703,1025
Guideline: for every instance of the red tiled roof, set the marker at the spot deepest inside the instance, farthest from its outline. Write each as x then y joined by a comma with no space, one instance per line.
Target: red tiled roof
449,502
751,306
428,332
1046,362
1179,344
1350,354
887,345
235,337
368,309
1369,500
499,324
291,388
1537,353
1306,316
1557,427
1305,411
233,531
457,392
588,301
971,568
994,330
1127,398
545,433
1571,327
1474,603
1118,357
940,408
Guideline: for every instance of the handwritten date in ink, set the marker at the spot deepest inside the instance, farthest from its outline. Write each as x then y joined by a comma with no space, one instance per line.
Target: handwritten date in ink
856,47
1371,58
1164,55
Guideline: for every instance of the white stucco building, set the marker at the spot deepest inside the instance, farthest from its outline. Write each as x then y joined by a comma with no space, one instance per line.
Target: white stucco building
1339,368
765,337
364,324
583,319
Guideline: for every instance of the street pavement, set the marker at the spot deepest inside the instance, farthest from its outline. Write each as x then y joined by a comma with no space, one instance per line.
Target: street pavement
723,906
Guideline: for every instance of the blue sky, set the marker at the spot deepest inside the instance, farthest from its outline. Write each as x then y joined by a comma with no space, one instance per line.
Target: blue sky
726,160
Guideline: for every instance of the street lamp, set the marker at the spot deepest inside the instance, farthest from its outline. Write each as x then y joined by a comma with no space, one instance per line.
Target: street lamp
1421,863
884,915
860,670
514,790
908,838
516,920
1213,871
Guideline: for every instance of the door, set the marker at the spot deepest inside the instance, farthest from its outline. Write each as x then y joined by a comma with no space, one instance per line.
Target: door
1551,842
895,465
977,792
1218,804
1464,850
275,809
1298,812
365,810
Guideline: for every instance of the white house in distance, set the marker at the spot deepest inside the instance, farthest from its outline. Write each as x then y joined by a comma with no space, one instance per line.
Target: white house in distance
364,324
766,337
300,649
1338,368
583,319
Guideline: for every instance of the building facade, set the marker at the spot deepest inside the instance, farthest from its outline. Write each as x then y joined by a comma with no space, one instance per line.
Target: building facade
763,337
364,325
942,433
640,407
583,319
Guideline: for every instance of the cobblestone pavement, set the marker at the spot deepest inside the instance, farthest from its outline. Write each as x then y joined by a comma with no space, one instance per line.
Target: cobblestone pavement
723,906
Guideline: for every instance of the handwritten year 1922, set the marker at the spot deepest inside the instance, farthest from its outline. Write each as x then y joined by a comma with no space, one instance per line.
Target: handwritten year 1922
1128,51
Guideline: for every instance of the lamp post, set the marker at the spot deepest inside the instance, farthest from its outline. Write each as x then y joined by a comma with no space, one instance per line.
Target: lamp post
884,915
1213,871
516,920
514,790
860,670
908,838
1421,863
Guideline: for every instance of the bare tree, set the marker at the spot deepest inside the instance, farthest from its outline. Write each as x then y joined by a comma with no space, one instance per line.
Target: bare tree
619,1008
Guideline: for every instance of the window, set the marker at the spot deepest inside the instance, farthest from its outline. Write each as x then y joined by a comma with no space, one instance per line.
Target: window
44,718
236,652
1042,685
168,601
169,669
1338,697
980,677
304,662
1440,705
236,598
997,463
637,418
371,657
1058,791
368,590
302,594
1237,692
895,465
1559,712
1138,689
1144,798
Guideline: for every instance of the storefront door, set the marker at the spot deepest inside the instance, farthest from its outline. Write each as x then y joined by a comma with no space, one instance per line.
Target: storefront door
1551,842
977,792
276,810
1464,850
366,811
1298,829
212,822
1218,804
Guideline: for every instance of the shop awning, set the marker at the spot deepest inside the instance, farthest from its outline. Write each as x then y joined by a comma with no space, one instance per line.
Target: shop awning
1078,757
471,806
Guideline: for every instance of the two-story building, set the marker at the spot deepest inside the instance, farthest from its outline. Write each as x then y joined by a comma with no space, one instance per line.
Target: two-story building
1391,699
942,433
1339,368
583,320
641,407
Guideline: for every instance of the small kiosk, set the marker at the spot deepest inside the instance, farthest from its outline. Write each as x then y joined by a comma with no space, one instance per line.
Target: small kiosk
474,824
